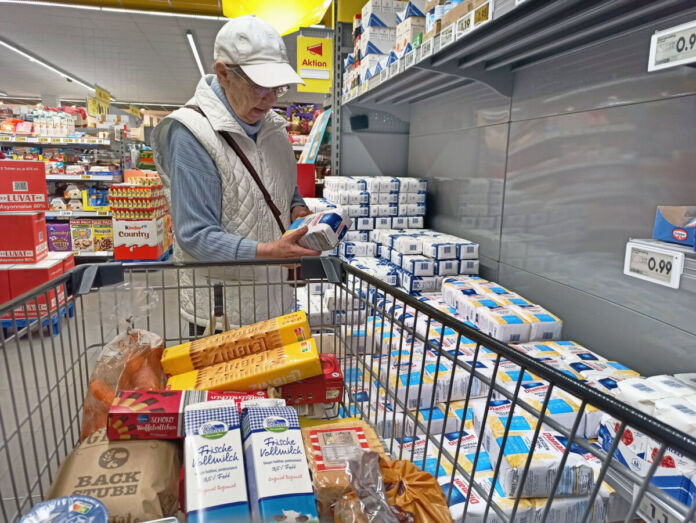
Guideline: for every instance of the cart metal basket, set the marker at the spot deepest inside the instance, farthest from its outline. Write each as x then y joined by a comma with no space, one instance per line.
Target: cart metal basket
54,335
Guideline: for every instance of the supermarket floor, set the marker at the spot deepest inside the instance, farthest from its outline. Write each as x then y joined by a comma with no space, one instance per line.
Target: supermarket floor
42,378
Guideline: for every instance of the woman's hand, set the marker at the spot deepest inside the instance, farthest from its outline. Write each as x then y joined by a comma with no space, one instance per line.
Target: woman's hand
286,247
299,212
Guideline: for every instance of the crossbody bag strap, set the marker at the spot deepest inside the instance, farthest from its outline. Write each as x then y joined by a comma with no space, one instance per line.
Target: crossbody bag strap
250,168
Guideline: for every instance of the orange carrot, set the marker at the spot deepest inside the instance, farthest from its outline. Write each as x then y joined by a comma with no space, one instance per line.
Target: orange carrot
102,392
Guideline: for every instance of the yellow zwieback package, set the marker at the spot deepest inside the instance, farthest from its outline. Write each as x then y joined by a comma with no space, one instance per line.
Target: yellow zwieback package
272,368
230,345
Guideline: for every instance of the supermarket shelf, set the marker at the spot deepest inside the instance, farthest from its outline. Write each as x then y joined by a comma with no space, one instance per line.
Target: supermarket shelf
8,139
95,254
476,50
78,214
83,177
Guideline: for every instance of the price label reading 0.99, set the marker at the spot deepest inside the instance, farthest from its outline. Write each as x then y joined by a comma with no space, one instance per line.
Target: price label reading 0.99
654,265
675,46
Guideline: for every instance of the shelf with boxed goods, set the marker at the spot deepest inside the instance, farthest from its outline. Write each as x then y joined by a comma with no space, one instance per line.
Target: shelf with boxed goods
484,40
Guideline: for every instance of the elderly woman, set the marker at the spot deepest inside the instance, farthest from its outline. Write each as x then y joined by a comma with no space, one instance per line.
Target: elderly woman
230,177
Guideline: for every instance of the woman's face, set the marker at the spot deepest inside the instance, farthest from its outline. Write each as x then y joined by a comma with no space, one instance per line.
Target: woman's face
249,101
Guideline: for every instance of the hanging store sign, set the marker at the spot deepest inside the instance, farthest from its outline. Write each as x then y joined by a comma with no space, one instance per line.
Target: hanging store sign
96,107
134,111
314,64
650,262
102,94
673,47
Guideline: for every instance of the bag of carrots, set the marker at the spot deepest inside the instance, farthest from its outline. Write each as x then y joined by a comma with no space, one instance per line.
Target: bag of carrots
130,361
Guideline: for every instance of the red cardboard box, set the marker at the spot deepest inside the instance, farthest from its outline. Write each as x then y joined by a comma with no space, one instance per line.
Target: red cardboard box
23,186
5,294
23,238
26,277
159,414
325,388
139,239
66,258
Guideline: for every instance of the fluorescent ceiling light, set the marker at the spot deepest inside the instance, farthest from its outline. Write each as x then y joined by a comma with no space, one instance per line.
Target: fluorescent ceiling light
194,50
48,66
115,10
3,93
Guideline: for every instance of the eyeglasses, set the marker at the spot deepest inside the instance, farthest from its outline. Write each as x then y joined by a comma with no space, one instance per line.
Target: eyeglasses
259,91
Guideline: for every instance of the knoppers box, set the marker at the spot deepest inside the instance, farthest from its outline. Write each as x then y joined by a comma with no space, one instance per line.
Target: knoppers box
23,239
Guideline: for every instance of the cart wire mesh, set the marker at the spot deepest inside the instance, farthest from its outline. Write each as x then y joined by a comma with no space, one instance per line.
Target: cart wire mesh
399,377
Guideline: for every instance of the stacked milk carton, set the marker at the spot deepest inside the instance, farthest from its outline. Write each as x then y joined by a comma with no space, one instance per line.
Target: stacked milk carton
378,36
499,312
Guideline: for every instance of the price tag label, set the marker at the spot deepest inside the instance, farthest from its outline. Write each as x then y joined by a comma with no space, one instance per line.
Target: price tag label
65,213
68,140
465,24
426,49
650,509
21,139
43,140
393,69
91,140
76,253
86,176
483,14
447,36
5,138
383,75
654,264
418,54
672,47
409,59
102,213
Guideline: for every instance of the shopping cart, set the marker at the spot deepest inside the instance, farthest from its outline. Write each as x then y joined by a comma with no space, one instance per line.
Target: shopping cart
43,379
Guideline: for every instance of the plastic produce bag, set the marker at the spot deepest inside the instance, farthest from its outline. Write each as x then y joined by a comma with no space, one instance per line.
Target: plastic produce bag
414,492
130,361
385,491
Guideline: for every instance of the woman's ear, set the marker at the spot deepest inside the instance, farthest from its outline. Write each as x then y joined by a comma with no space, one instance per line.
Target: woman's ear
222,73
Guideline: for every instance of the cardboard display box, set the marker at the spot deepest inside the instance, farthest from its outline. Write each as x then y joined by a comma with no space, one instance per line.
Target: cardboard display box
676,224
456,13
408,30
24,237
433,32
26,277
23,186
138,239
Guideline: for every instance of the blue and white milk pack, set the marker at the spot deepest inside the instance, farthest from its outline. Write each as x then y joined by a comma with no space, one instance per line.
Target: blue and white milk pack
280,488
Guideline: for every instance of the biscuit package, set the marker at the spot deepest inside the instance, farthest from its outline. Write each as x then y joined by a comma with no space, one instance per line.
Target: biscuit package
227,346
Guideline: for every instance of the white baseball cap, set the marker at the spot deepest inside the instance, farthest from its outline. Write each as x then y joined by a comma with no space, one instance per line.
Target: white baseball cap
257,49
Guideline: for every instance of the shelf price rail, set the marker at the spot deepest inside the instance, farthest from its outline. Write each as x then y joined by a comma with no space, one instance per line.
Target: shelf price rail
47,376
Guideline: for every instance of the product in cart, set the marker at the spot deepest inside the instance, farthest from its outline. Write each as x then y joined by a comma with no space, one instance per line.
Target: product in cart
135,480
271,368
325,388
251,339
68,509
280,487
216,489
159,414
327,447
130,361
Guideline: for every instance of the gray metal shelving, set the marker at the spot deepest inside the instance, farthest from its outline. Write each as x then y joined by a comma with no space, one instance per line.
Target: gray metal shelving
532,31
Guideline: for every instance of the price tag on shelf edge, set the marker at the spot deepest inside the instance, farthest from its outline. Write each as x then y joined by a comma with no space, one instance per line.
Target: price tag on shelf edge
102,213
447,36
654,264
65,213
409,59
5,138
482,14
426,49
465,24
673,47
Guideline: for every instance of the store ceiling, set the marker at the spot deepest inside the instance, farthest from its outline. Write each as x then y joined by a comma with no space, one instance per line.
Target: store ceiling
136,57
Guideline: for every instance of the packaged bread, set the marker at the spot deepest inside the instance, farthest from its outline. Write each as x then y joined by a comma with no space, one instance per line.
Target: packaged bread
272,368
135,480
328,448
230,345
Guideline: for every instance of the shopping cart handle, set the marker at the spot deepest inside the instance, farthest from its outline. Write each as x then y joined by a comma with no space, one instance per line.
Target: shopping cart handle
84,278
324,267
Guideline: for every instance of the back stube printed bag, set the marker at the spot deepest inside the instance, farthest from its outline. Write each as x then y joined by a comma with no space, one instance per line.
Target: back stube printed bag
136,480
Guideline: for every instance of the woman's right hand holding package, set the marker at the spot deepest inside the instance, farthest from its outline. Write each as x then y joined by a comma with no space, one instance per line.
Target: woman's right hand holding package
286,247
